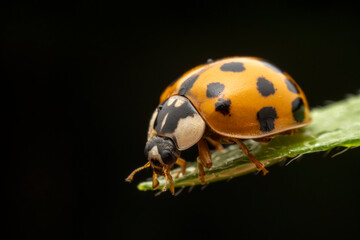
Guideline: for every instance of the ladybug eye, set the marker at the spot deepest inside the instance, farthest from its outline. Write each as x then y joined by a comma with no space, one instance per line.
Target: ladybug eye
168,157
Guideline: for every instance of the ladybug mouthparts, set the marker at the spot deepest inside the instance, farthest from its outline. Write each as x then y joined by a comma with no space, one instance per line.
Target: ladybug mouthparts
157,167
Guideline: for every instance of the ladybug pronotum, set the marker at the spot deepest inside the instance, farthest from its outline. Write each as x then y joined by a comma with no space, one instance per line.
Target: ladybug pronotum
222,102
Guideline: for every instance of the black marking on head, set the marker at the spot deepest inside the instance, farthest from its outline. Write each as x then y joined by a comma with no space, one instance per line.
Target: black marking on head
187,84
298,109
223,106
233,67
265,87
291,86
266,117
214,89
271,66
173,115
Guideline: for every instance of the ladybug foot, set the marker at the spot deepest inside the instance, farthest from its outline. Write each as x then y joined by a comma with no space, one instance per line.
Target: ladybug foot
202,178
263,169
258,164
201,171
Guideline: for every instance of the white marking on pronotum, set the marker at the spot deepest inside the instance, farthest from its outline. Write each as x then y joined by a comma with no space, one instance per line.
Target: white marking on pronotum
164,121
170,101
189,131
151,124
179,103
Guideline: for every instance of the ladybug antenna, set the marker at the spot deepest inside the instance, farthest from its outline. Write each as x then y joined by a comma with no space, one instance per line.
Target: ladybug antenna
131,176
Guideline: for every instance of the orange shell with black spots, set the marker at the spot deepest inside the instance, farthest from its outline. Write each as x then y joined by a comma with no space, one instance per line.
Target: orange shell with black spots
243,97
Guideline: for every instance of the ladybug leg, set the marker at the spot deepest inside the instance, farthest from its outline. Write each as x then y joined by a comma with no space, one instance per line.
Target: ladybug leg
201,171
216,144
245,150
204,153
155,182
182,163
169,179
204,159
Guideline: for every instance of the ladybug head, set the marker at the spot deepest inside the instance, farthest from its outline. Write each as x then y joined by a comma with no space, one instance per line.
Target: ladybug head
162,154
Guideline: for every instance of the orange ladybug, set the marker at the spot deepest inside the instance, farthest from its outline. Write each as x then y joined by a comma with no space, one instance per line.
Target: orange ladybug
222,102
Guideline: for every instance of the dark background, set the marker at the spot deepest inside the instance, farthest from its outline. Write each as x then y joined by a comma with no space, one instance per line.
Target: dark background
85,79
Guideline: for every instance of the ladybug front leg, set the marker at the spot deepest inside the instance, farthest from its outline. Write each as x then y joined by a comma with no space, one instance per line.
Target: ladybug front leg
155,182
216,144
245,150
201,170
204,159
182,163
168,178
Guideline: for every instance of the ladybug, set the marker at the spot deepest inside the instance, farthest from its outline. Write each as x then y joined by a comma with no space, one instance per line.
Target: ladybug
222,102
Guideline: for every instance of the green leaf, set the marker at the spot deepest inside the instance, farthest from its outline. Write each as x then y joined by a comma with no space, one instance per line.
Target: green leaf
334,125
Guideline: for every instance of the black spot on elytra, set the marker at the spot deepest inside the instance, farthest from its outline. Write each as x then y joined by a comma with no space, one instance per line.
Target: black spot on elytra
223,106
265,87
187,84
266,117
298,109
291,86
214,89
233,67
174,114
271,66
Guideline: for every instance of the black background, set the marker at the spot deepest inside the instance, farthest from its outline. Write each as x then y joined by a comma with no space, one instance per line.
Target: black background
85,78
